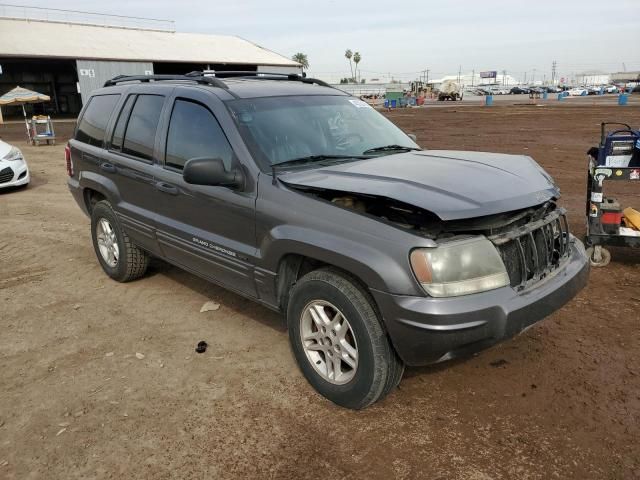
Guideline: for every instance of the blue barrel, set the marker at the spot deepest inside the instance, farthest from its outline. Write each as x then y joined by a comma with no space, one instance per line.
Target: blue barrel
488,100
561,96
623,98
545,95
601,91
394,103
386,103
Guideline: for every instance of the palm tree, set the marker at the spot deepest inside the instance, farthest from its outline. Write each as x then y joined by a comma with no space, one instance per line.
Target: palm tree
302,59
356,60
348,54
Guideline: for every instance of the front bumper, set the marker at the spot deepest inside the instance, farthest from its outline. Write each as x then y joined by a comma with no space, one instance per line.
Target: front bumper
428,330
20,176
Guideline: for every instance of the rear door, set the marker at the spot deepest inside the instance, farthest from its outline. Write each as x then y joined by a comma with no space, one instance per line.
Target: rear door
87,146
208,230
129,160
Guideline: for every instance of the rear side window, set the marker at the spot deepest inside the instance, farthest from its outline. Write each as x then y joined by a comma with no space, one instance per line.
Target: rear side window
195,132
121,124
95,119
140,132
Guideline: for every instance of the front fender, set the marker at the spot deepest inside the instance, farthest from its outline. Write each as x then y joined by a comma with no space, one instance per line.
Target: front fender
379,268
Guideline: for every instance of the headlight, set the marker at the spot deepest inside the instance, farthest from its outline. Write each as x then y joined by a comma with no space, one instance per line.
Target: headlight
14,155
459,268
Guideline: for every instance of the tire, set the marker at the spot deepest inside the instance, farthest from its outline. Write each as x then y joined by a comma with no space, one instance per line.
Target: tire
130,262
598,261
377,367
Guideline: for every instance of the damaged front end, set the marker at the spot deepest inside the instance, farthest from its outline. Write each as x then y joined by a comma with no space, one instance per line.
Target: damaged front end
532,242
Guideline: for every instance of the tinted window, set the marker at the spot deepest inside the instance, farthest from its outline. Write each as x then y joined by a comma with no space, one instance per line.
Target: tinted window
121,124
195,132
95,119
141,128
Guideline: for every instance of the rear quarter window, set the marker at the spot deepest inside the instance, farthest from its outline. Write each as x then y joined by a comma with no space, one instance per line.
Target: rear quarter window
92,125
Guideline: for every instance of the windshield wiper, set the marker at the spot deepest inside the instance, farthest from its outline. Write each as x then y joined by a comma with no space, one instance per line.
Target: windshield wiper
316,158
390,148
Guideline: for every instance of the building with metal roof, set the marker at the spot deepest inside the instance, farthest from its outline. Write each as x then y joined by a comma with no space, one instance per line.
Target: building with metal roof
66,54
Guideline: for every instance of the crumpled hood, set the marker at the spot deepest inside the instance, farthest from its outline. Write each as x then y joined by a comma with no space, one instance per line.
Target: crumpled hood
453,185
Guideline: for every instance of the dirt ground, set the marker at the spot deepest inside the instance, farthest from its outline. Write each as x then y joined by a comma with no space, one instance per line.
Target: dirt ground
560,401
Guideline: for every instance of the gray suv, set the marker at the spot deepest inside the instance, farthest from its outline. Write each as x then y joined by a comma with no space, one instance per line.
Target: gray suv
378,253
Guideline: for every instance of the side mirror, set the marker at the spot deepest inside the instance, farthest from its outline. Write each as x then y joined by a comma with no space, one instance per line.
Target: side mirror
413,137
211,171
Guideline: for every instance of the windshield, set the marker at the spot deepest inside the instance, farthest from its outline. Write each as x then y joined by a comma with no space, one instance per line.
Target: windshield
281,129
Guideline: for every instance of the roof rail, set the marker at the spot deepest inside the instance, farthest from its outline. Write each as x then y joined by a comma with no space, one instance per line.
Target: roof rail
268,76
197,77
217,81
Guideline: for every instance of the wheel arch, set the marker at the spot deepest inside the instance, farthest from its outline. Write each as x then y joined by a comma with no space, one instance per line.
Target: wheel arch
96,188
293,266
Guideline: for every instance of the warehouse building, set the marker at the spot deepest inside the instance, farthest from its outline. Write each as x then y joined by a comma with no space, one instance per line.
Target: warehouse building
68,59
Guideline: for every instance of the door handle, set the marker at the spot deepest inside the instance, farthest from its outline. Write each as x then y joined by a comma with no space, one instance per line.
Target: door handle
108,167
167,188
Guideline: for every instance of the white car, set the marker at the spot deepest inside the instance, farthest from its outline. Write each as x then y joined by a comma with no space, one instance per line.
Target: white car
13,167
578,92
611,89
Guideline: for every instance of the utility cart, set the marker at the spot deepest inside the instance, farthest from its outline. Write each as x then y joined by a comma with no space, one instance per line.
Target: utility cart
40,129
617,158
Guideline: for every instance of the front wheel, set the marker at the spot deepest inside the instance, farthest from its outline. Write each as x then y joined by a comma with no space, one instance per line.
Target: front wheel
338,340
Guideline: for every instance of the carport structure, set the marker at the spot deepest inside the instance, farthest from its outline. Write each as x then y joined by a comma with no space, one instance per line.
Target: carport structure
67,54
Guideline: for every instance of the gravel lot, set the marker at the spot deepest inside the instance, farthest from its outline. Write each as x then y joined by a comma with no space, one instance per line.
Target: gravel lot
77,400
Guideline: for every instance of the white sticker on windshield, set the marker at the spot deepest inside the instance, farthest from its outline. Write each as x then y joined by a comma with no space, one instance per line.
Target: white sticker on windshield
360,103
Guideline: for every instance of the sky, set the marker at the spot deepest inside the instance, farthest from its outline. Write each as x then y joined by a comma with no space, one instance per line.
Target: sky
401,39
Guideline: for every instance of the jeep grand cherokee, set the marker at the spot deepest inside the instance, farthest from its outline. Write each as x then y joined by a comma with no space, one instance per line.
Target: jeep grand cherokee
299,196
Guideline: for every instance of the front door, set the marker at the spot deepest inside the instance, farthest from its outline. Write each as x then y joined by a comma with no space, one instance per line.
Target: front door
208,230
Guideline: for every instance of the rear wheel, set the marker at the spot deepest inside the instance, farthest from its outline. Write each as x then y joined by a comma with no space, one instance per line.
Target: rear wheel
338,340
119,257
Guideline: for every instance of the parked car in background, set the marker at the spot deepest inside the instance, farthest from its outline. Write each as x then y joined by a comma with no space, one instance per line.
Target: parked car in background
611,89
579,92
519,90
14,171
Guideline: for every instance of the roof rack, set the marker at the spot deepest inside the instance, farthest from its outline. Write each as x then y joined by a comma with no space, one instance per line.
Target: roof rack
197,77
216,81
294,77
